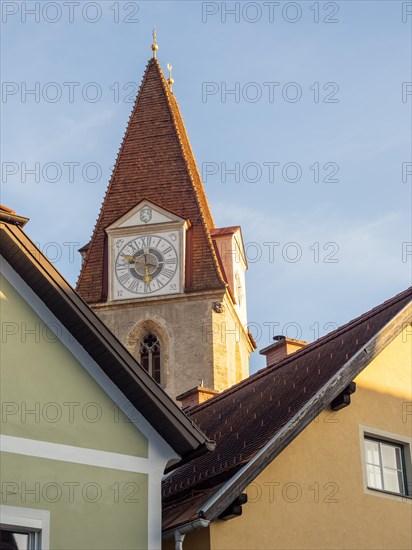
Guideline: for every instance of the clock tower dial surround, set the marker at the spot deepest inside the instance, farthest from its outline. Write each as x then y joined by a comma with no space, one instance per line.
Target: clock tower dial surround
146,259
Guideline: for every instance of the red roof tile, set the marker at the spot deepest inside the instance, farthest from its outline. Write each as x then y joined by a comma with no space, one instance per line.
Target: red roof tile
155,162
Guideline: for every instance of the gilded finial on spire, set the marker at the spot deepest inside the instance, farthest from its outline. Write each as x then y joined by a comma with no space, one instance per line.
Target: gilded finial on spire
170,80
155,47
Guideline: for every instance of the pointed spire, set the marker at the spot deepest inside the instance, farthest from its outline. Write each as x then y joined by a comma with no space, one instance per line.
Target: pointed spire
155,47
156,163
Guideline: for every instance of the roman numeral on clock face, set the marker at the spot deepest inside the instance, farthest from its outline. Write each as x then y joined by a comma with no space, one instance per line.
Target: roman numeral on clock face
168,273
133,285
133,246
124,278
146,265
146,241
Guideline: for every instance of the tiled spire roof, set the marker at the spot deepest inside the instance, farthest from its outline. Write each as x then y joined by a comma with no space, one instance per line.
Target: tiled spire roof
155,162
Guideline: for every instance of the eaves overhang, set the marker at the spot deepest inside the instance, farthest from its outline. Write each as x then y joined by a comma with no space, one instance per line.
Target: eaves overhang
75,315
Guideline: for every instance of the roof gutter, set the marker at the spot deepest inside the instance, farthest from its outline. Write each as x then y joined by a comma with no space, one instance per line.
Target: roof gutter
232,488
180,533
10,217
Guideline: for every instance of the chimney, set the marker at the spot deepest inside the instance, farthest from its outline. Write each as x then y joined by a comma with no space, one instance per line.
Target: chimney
282,347
195,396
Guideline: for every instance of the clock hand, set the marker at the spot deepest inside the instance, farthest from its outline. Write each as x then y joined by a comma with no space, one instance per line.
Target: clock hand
147,277
130,259
133,260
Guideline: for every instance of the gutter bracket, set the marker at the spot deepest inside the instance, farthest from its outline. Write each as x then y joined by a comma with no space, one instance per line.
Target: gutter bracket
343,399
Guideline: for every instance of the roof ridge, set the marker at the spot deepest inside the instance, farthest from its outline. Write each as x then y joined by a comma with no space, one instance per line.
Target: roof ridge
310,347
177,117
175,105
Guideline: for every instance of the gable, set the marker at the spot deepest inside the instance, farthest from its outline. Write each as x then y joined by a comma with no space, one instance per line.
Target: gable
315,487
51,395
390,373
258,418
103,356
74,362
144,214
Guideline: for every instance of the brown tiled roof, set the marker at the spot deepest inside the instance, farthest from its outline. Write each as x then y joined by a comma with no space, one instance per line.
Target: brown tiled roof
244,418
155,162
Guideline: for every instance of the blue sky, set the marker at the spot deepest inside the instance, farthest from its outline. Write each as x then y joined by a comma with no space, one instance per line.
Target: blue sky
317,133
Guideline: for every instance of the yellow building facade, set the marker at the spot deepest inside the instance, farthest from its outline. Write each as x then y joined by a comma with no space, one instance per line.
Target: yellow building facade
315,494
328,488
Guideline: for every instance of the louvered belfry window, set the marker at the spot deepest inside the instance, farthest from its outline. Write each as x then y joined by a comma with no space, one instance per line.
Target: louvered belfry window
150,355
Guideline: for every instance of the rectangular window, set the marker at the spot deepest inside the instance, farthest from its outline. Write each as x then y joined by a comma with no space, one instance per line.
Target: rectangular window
16,538
24,528
385,466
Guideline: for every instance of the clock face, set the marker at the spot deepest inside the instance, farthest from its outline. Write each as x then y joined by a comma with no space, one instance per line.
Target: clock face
146,265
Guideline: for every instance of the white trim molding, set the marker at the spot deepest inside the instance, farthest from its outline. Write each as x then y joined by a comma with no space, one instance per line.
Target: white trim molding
76,455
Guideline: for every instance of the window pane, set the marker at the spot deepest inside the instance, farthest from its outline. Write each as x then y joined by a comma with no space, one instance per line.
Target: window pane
10,540
156,367
374,476
392,480
144,361
391,456
372,452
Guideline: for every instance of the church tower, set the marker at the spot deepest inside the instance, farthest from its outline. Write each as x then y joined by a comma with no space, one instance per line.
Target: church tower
160,275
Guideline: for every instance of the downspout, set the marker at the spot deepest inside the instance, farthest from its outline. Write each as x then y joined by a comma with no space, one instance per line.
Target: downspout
180,533
179,538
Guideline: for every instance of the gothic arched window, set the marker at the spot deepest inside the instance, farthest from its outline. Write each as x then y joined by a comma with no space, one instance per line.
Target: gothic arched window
150,355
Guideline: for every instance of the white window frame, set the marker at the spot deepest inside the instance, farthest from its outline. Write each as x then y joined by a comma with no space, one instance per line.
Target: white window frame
27,520
366,432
